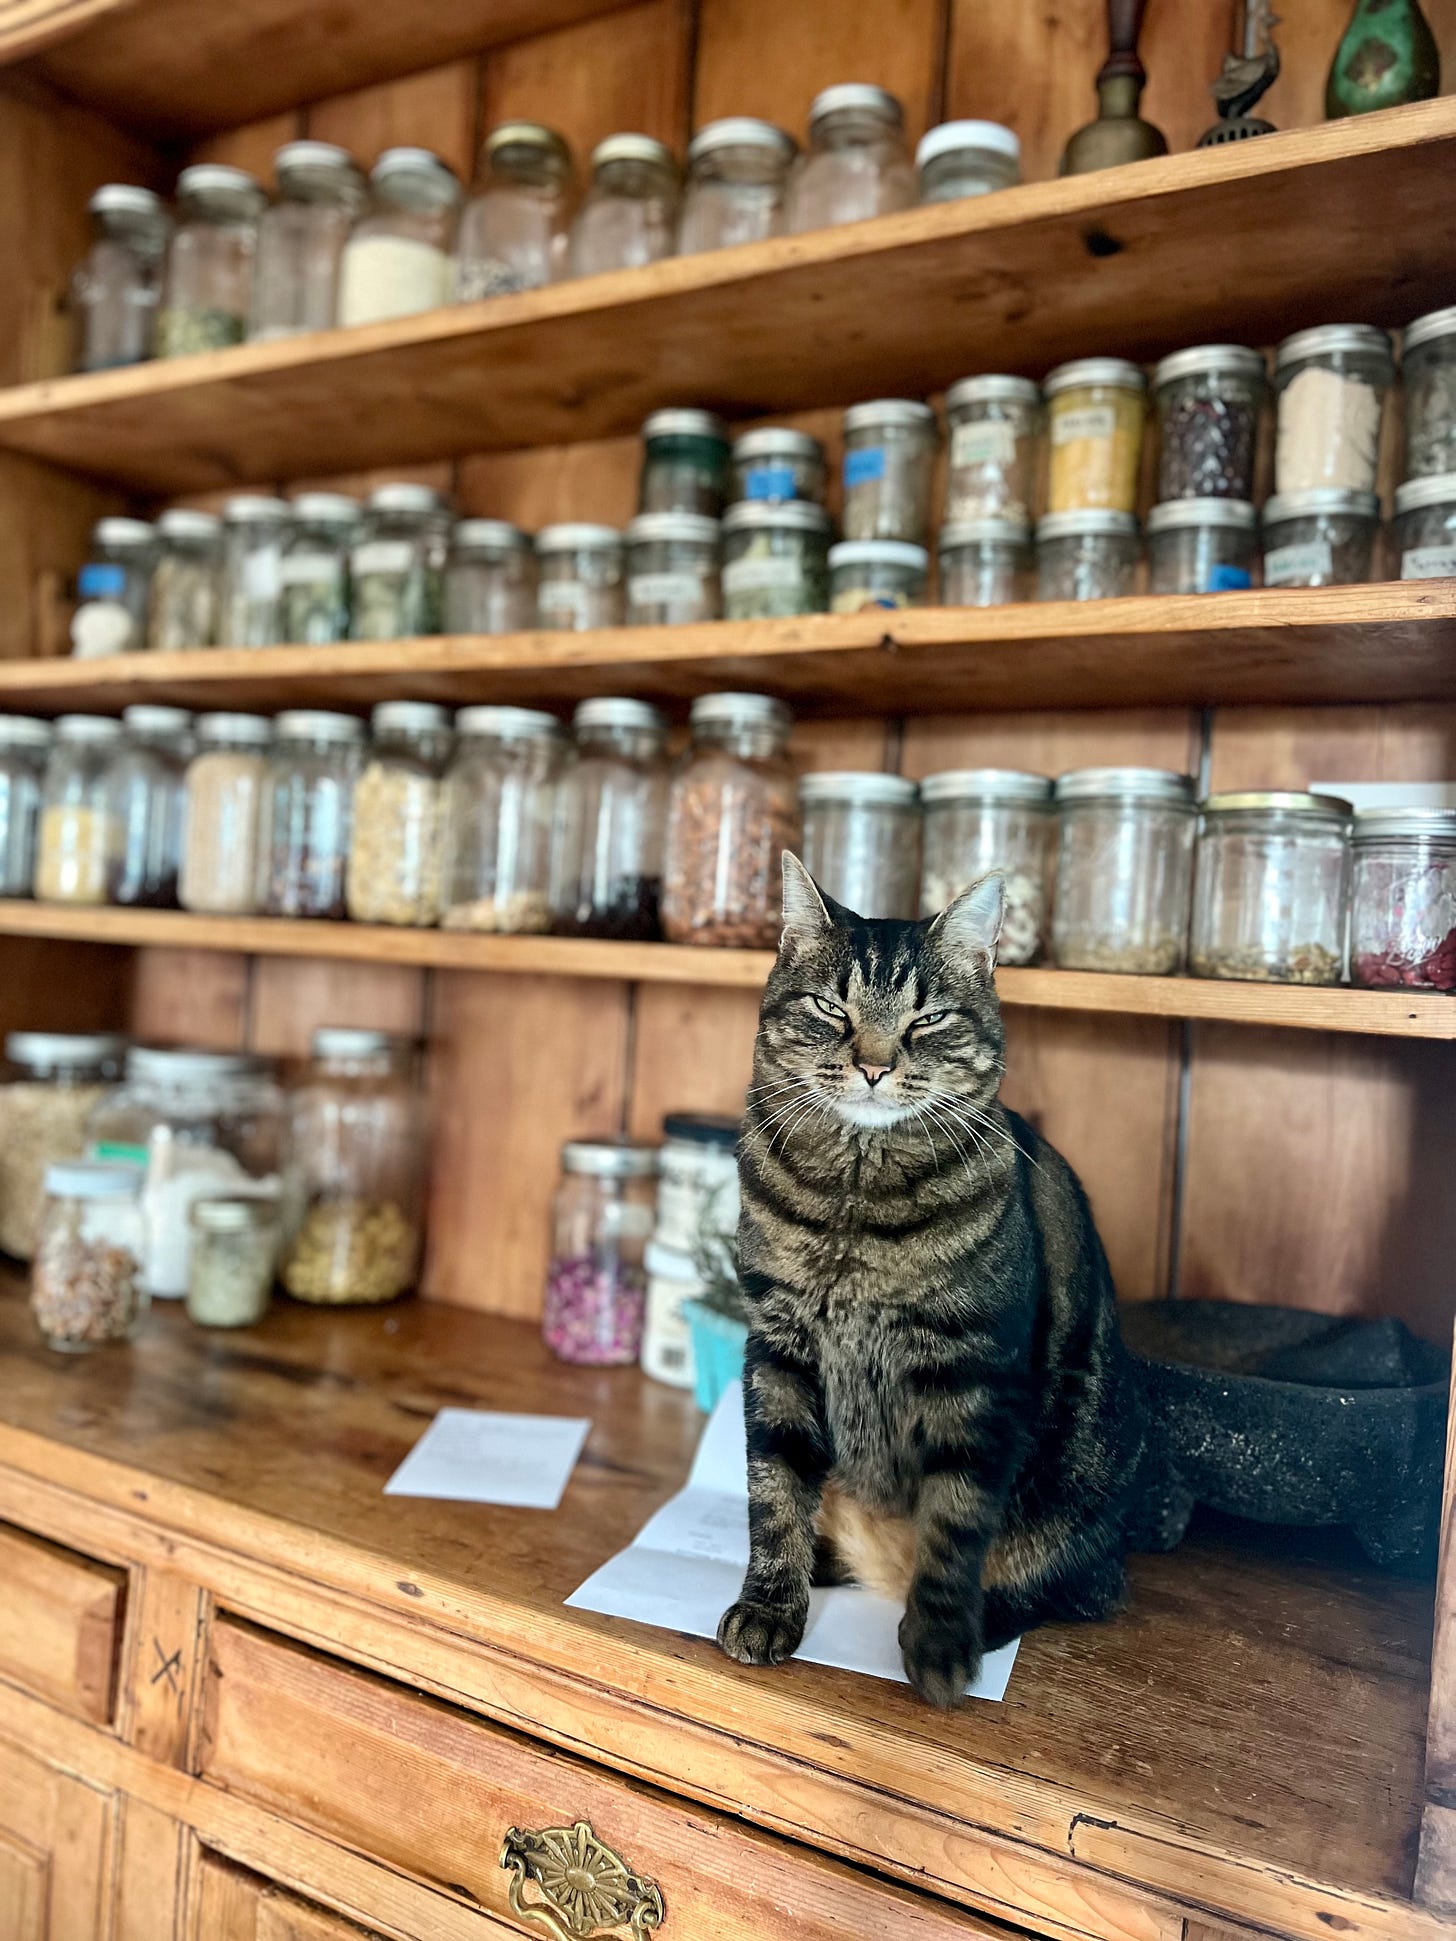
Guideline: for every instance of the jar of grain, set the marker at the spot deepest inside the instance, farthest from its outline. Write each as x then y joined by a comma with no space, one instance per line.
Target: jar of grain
301,240
1425,527
114,287
112,589
86,1287
862,840
146,783
182,608
314,569
611,813
983,819
1086,555
250,579
1208,421
1428,379
514,227
1271,877
684,463
965,158
24,745
1320,538
52,1083
889,454
1403,900
235,1245
738,172
76,832
672,569
629,217
995,448
857,163
1201,546
396,852
225,781
207,286
1331,384
601,1221
490,579
775,559
397,566
985,562
500,801
866,575
1124,869
1095,412
398,261
307,813
580,581
776,465
732,812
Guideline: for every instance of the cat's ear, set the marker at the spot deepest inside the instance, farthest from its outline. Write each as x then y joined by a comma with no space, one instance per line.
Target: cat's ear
971,926
805,916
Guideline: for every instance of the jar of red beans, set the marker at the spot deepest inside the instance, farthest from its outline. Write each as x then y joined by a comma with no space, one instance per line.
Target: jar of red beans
601,1221
1403,899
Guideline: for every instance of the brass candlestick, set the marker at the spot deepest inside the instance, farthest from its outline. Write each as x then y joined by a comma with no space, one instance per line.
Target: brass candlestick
1119,133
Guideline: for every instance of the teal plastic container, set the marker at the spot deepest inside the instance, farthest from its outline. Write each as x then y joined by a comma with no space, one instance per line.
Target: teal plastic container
718,1344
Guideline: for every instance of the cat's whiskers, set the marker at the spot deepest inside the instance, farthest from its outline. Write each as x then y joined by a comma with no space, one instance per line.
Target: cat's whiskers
929,1112
972,1126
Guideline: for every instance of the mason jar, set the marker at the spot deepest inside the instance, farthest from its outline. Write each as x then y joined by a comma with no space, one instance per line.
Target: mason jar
889,454
1124,870
775,559
307,813
580,577
738,173
1425,527
86,1286
983,819
207,286
313,572
301,240
995,448
684,463
500,801
182,609
226,779
114,287
1201,546
1208,401
24,745
113,589
1331,383
1086,555
235,1243
1403,899
397,566
776,465
250,578
629,216
601,1221
490,579
1095,412
610,824
396,851
672,569
1320,538
964,158
856,165
514,227
1428,378
868,574
985,562
1270,885
862,840
146,783
53,1082
398,260
76,833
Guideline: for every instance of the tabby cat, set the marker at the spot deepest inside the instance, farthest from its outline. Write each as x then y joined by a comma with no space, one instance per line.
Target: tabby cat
938,1401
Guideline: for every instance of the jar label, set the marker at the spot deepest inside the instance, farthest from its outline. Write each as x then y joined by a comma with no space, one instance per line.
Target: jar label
865,467
665,589
1089,421
771,575
989,443
567,598
383,556
769,483
1228,579
121,1150
100,581
261,576
1304,563
1428,563
311,569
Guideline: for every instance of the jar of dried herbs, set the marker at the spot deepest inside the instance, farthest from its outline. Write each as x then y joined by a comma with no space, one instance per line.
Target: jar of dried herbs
1095,412
776,464
313,571
889,454
182,610
490,579
995,448
397,566
52,1084
581,579
308,810
76,828
1428,377
225,783
235,1243
113,588
684,463
1324,537
207,286
250,576
1270,885
396,851
1425,527
1123,871
775,559
672,569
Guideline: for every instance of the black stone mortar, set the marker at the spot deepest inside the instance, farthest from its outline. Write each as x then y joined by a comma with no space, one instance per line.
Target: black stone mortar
1290,1417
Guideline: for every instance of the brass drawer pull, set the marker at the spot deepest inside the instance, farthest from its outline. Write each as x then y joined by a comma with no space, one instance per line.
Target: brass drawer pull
585,1889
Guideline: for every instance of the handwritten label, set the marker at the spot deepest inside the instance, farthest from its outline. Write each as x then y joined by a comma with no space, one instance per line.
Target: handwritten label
1091,421
990,443
1428,563
1308,562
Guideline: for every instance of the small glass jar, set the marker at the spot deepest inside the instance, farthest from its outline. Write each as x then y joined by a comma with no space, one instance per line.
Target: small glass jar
963,158
889,454
500,800
775,559
358,1131
307,813
596,1284
235,1243
398,259
1086,555
580,578
1320,538
146,784
629,216
76,833
776,465
866,575
1201,546
313,571
24,746
86,1285
514,227
1428,378
250,580
207,287
225,783
862,840
490,579
114,287
113,589
397,566
1270,881
1403,900
301,240
738,173
983,819
1095,413
684,463
53,1083
672,569
1331,384
182,605
857,164
396,850
610,824
732,812
697,1186
1425,527
1208,401
1124,870
985,562
995,437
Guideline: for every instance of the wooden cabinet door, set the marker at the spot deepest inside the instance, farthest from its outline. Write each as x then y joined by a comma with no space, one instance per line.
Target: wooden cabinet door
233,1905
55,1837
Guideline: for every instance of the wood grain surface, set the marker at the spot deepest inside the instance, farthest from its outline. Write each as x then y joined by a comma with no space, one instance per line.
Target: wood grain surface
60,1623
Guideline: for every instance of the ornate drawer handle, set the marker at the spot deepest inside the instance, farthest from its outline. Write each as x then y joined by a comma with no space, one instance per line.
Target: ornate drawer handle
585,1889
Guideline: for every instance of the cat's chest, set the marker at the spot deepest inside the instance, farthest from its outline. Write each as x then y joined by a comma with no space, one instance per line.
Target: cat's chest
866,1400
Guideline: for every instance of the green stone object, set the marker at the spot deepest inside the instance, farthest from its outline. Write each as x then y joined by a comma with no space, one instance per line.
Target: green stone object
1388,56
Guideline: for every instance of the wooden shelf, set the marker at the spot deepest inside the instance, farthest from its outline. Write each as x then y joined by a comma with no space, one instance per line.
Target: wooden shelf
1139,260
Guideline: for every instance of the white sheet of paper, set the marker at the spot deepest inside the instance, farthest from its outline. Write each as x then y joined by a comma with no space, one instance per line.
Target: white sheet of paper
686,1567
479,1456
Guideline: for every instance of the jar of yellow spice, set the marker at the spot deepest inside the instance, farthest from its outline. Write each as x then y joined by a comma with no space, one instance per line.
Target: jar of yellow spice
1096,408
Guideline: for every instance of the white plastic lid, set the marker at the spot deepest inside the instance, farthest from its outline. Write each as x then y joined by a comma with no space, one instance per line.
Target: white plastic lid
63,1047
741,131
488,532
117,531
950,137
876,413
632,148
879,552
858,786
186,522
396,165
318,724
352,1041
249,508
618,711
578,537
694,528
326,509
25,731
862,96
93,1179
87,727
125,199
148,719
404,496
409,717
255,730
161,1062
506,721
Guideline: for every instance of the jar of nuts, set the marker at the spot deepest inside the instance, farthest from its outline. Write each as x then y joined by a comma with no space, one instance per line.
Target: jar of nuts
86,1286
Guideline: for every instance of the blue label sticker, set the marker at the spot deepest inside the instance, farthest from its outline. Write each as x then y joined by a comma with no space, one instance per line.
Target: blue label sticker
1228,579
864,467
769,482
98,581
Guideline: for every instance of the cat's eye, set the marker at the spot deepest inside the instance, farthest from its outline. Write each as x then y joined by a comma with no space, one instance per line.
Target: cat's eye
929,1019
827,1010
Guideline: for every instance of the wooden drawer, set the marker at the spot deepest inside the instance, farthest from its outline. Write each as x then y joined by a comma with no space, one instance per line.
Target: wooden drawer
233,1905
60,1623
432,1791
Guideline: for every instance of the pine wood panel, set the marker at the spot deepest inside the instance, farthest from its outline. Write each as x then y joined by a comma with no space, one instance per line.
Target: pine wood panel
291,998
54,1850
626,71
60,1623
233,1905
150,1873
189,996
166,1634
692,1051
434,109
251,146
1436,1873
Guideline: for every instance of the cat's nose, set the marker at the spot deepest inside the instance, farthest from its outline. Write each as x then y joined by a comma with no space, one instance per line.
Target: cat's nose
873,1073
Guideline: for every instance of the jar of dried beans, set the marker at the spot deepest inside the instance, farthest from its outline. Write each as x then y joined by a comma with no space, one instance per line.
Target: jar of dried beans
308,810
147,797
500,800
399,259
1270,883
250,583
1201,546
1428,378
1403,899
775,559
1086,555
995,431
207,285
1208,402
397,567
672,569
1095,413
1124,867
490,579
182,609
1331,383
1324,537
610,824
76,829
983,819
580,582
86,1284
396,851
684,463
24,744
52,1084
314,569
601,1221
985,562
1425,527
862,840
889,455
776,464
225,783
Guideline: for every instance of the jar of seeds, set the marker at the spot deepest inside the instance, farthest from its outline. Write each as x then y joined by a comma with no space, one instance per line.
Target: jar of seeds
146,783
1331,383
225,784
581,577
24,745
514,227
611,811
235,1245
1208,401
862,840
1095,412
207,285
250,580
738,172
1124,869
1319,538
112,589
1428,376
1425,527
1201,546
985,562
307,816
397,567
1086,555
774,465
86,1284
182,610
399,259
868,574
396,853
301,240
500,799
672,569
601,1221
982,819
53,1083
889,454
77,835
1271,878
684,463
995,445
314,569
775,559
490,579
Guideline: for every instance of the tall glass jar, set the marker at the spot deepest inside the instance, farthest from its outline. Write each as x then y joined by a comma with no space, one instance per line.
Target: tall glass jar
207,286
611,813
738,172
114,287
1428,378
776,465
995,442
857,164
1425,527
113,588
1403,900
301,240
672,569
395,856
490,579
182,610
1270,883
250,581
76,837
86,1286
397,567
398,260
226,779
313,572
1095,413
1331,384
308,808
146,787
1124,868
775,559
982,819
732,812
500,800
963,158
581,581
52,1084
513,229
358,1134
629,216
601,1221
889,454
1208,402
1086,555
24,745
1320,538
1201,546
684,463
862,840
985,562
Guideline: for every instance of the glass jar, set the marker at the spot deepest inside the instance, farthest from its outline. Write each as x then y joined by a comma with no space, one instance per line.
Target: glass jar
697,1186
732,812
684,463
962,158
397,566
1201,546
995,434
1086,555
862,840
738,173
611,814
235,1245
398,259
985,562
1208,401
490,579
76,834
579,578
301,240
225,784
513,229
313,571
1403,899
1270,880
113,588
857,164
1425,527
672,569
601,1221
1331,385
395,855
1320,538
86,1286
1124,868
250,578
24,746
776,465
1428,377
115,285
868,574
146,799
775,559
629,216
1095,413
182,605
53,1083
307,813
889,454
983,819
500,799
207,286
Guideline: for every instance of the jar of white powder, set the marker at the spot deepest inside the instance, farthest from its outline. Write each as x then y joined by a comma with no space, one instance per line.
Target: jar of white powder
399,260
1331,384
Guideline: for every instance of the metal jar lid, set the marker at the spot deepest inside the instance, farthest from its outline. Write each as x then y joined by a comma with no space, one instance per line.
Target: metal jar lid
961,137
24,731
1141,784
1375,825
32,1048
684,421
1177,515
326,509
879,552
244,730
1317,500
1113,372
184,522
1095,522
993,387
1424,330
353,1041
713,1129
740,710
609,1158
215,180
777,515
305,158
1326,340
409,718
863,97
127,199
633,148
528,134
742,131
663,528
986,784
184,1067
149,718
858,788
777,441
421,168
578,537
1299,802
403,495
118,533
509,724
499,534
1437,489
253,508
984,532
618,711
87,727
1209,360
237,1213
318,724
885,414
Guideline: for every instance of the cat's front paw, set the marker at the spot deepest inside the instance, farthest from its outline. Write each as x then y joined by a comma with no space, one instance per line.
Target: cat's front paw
940,1660
761,1634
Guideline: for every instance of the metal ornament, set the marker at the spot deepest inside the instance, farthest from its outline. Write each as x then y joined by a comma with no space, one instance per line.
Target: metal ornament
1119,133
586,1889
1245,79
